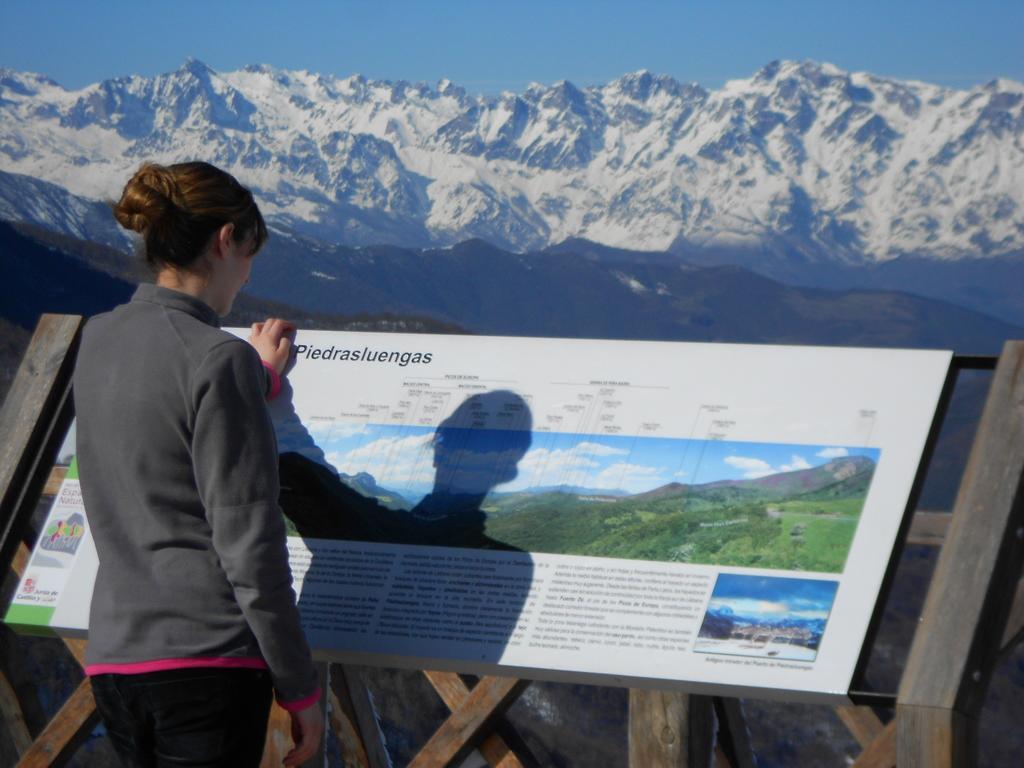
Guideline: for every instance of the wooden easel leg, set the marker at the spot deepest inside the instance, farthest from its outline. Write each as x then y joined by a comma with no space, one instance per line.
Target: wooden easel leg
14,718
881,752
929,737
461,732
68,729
668,729
344,725
33,419
496,747
862,723
365,718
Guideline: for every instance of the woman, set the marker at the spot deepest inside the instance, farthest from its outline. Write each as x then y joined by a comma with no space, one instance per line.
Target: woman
193,618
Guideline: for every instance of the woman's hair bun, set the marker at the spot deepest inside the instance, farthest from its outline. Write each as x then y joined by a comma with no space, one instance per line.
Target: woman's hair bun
148,199
178,208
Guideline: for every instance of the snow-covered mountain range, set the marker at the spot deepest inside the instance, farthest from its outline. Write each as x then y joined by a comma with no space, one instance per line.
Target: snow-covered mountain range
801,159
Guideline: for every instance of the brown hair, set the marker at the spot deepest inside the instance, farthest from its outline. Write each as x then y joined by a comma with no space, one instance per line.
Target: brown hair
177,209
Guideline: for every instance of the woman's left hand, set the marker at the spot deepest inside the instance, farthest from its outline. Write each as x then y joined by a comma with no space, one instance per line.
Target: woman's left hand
273,340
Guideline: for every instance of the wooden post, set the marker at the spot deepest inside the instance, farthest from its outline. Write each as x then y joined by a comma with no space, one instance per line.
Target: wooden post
965,614
34,412
669,729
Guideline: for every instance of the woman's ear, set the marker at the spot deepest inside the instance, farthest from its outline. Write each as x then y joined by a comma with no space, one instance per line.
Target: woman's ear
224,239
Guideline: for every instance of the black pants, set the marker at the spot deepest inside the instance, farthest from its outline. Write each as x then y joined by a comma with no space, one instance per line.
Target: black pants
186,717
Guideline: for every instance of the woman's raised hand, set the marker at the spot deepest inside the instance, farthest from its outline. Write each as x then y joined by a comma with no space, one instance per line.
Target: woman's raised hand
273,340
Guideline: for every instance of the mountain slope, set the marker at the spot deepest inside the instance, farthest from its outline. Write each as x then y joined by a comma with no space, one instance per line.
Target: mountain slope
488,290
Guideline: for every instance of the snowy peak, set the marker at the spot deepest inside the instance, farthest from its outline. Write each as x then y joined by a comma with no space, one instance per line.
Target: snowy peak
24,83
802,158
642,86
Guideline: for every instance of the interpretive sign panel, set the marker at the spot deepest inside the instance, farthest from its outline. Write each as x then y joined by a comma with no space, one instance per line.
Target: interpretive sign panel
711,516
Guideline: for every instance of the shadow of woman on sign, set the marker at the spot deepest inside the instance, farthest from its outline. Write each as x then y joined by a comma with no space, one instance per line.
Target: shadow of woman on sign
476,448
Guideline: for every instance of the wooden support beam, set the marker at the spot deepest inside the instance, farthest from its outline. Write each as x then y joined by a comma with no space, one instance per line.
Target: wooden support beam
342,722
365,717
76,647
453,692
35,410
14,718
734,736
669,729
965,614
862,723
463,729
448,686
881,752
68,729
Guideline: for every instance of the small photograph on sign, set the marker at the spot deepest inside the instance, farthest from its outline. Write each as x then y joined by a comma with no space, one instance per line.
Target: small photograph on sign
766,617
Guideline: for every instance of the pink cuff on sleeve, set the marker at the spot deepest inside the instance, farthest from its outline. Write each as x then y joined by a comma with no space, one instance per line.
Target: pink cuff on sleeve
300,704
275,381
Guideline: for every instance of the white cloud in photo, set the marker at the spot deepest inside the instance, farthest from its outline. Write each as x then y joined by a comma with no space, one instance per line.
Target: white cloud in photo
598,449
347,429
752,468
328,431
832,453
810,615
746,606
543,467
543,459
633,478
796,463
388,447
774,608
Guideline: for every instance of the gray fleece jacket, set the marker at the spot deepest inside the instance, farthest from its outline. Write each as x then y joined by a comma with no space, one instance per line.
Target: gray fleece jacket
179,475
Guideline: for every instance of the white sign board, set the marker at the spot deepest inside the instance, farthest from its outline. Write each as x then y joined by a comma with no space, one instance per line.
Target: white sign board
716,517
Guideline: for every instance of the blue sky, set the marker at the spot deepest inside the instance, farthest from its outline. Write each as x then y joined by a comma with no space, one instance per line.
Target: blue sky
491,46
403,458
